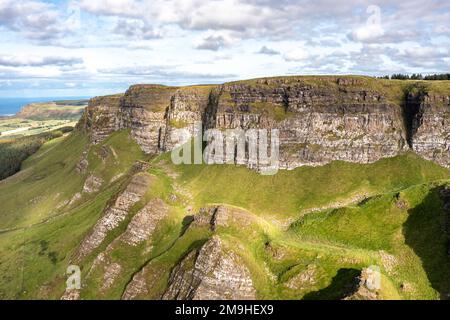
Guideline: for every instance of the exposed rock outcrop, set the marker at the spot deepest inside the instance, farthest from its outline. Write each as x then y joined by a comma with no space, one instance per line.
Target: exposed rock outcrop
316,124
210,217
369,286
222,216
142,282
137,286
431,128
187,107
389,261
319,119
115,213
82,165
92,184
304,279
212,272
101,117
143,110
139,229
111,273
71,294
145,222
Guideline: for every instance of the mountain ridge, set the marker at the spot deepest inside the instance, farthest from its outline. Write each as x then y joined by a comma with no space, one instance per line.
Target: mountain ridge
320,119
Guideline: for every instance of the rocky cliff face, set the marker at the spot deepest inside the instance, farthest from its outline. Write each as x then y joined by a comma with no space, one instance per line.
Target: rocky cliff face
431,128
101,117
320,119
212,272
317,124
160,118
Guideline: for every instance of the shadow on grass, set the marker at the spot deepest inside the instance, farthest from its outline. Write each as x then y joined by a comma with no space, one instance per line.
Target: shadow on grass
425,233
185,224
343,284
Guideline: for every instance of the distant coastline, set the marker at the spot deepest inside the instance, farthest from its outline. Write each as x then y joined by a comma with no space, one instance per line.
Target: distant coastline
11,106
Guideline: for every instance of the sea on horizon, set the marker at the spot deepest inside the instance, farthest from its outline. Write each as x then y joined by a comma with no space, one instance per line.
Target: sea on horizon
10,106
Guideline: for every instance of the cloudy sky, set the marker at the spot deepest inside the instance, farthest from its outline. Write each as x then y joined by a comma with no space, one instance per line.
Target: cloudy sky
94,47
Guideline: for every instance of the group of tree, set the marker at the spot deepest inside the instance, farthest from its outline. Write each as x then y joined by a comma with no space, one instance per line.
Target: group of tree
14,151
417,76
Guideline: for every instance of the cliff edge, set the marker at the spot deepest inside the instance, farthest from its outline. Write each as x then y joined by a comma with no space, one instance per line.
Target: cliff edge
320,119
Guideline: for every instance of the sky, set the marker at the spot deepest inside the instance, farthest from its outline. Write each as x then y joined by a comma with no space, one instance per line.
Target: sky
97,47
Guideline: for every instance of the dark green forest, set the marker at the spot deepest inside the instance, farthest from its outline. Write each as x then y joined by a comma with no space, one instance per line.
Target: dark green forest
417,76
15,150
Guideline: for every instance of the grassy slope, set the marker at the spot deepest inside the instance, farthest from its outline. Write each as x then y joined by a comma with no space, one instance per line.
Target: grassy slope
326,239
33,260
288,193
407,225
36,253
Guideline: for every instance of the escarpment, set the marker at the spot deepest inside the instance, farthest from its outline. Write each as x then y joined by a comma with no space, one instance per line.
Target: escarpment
431,128
316,124
319,119
101,117
143,110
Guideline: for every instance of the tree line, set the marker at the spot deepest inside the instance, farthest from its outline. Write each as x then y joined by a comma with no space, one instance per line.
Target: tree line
417,76
14,151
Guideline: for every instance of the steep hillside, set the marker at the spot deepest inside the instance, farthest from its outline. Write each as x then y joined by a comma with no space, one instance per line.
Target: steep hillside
108,199
289,244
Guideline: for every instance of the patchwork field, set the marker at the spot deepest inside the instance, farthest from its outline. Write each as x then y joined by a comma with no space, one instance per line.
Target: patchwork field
37,118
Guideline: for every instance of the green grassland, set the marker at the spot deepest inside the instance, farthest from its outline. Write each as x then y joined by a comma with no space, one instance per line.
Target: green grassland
288,193
61,110
30,127
335,219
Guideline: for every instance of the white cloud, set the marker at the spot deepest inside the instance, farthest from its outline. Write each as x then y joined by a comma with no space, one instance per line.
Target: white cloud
368,33
36,61
35,19
164,72
214,41
244,17
120,8
268,51
244,38
136,29
298,54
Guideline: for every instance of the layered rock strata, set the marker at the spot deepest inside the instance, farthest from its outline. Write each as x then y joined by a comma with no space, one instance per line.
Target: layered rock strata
319,119
431,129
115,213
212,272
